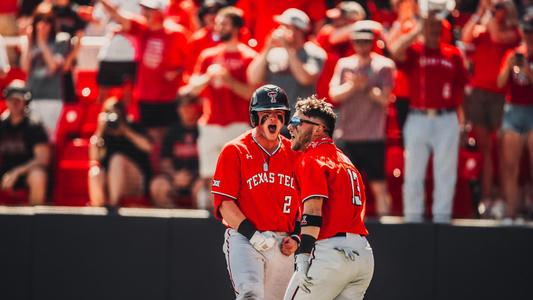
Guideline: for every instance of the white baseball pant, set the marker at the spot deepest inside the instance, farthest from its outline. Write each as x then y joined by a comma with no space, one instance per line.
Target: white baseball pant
257,275
332,274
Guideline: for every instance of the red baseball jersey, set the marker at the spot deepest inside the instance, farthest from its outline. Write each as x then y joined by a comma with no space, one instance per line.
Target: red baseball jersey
437,76
261,184
324,171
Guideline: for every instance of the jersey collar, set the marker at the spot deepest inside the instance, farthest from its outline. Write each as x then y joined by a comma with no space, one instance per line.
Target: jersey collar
314,144
263,148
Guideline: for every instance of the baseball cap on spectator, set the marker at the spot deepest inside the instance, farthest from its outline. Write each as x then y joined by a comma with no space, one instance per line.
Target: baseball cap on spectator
349,9
154,4
365,30
294,17
17,89
441,7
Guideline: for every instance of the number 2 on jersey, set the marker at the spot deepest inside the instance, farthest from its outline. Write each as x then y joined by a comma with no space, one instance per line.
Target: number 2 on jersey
356,190
287,205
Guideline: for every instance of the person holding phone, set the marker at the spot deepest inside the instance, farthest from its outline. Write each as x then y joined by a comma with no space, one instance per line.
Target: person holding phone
516,76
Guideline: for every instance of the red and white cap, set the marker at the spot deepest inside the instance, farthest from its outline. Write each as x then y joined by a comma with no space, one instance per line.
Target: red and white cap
294,17
154,4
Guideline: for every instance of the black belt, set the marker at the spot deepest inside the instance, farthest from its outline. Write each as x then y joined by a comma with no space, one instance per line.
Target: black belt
431,111
343,234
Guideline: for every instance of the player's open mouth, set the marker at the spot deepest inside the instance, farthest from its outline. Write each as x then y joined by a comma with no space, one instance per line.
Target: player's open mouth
272,128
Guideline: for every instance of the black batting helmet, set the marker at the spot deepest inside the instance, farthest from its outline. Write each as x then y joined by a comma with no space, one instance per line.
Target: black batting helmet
268,97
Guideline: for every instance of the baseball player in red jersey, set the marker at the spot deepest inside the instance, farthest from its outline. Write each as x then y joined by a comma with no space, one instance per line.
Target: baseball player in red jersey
334,260
254,194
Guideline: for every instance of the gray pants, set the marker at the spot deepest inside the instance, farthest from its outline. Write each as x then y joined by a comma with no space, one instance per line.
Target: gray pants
333,275
256,275
425,135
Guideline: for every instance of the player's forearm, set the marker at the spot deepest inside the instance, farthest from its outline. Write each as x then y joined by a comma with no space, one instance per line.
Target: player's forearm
232,214
310,224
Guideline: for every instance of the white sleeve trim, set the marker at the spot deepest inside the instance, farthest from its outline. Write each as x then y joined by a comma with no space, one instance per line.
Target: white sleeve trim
229,196
314,196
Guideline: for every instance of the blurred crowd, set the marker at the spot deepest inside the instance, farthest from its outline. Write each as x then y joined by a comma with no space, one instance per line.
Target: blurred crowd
175,78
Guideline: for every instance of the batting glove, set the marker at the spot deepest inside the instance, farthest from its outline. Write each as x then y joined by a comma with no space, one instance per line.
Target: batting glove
302,266
350,254
263,241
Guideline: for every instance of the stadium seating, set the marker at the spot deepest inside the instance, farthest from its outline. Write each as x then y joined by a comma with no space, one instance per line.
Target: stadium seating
71,183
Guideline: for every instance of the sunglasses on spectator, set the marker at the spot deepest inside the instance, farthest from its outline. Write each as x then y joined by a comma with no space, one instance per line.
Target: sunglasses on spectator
295,122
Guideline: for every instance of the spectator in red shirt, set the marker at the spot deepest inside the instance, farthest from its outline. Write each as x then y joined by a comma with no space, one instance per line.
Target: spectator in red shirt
161,65
408,15
220,75
437,79
492,30
258,15
516,75
204,37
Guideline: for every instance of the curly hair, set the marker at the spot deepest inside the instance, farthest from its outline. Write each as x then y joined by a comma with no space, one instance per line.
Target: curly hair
320,109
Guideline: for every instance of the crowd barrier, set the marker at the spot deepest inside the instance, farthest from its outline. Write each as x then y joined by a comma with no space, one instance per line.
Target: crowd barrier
80,253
